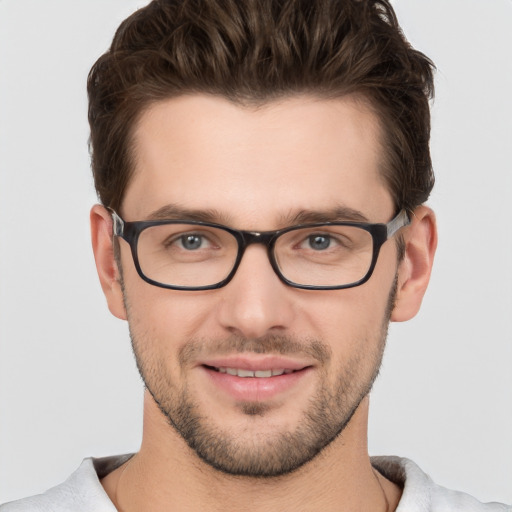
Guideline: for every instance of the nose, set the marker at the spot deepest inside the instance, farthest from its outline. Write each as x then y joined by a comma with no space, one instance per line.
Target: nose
256,302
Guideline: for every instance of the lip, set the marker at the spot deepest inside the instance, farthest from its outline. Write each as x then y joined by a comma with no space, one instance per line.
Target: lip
256,363
255,389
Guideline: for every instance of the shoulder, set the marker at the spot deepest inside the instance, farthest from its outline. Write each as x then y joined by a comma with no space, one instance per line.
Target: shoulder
421,494
81,491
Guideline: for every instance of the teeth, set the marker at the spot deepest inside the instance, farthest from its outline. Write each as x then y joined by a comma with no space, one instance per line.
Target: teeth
238,372
263,373
245,373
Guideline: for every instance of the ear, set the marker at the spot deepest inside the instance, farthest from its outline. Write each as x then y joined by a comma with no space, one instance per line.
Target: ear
102,246
420,239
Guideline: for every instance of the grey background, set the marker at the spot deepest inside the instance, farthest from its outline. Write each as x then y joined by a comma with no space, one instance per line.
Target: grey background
68,385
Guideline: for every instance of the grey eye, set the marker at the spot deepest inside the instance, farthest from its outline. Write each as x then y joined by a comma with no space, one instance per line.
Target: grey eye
319,242
191,242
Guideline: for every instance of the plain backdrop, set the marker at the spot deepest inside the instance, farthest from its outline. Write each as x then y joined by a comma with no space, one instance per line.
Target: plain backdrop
68,384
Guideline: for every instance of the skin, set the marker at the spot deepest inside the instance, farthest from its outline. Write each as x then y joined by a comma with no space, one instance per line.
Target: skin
260,167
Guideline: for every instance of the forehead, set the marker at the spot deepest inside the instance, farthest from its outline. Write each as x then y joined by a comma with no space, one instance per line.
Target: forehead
256,165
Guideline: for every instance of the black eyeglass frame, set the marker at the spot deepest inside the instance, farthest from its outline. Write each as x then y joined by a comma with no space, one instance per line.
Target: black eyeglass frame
381,233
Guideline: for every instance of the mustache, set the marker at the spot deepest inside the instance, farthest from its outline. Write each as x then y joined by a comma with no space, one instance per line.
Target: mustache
269,344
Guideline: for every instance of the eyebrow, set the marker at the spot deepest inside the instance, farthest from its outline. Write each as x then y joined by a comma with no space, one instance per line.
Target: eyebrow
336,214
302,216
176,212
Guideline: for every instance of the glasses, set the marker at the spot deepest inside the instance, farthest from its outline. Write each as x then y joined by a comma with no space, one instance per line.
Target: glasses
193,255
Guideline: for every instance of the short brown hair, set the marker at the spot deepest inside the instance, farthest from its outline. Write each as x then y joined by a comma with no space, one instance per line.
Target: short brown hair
256,51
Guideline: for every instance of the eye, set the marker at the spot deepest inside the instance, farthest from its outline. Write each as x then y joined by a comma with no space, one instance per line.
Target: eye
326,241
185,239
319,242
192,241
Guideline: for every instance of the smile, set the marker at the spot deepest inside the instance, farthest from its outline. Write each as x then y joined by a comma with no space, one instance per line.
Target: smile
253,377
240,372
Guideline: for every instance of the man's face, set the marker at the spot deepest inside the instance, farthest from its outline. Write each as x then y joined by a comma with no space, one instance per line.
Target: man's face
259,169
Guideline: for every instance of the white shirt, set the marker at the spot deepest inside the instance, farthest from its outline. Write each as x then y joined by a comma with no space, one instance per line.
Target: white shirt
83,492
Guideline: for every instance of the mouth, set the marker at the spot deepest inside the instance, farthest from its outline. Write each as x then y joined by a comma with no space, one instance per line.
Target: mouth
254,379
259,374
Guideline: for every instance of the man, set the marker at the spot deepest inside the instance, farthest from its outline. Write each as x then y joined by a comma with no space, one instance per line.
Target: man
262,168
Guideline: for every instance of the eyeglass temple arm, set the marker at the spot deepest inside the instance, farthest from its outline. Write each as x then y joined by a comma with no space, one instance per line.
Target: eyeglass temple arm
117,223
401,220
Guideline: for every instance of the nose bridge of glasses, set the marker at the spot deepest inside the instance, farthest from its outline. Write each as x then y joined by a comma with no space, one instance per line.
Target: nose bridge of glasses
258,237
265,238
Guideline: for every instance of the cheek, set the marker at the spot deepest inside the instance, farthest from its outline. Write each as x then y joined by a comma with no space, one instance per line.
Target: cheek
167,317
154,310
348,314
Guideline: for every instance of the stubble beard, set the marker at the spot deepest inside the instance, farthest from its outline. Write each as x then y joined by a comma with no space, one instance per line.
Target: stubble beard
256,454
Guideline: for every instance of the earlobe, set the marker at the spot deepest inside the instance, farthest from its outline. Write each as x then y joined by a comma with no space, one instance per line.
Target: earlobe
108,273
414,271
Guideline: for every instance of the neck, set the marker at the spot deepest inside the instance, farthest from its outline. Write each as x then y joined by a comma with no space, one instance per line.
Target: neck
167,472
